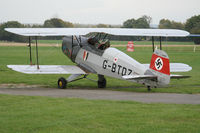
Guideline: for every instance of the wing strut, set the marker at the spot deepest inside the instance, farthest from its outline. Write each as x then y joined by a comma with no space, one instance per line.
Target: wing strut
160,43
29,39
37,52
30,51
153,43
160,38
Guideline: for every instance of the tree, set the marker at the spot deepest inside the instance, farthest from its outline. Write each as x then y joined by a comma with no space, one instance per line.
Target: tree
147,18
177,25
193,26
4,35
142,22
167,24
129,23
57,23
102,26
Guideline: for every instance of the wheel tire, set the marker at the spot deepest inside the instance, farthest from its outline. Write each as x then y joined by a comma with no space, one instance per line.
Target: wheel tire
102,84
62,83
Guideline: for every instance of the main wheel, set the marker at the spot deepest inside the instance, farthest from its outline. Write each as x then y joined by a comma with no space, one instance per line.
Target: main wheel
62,83
102,84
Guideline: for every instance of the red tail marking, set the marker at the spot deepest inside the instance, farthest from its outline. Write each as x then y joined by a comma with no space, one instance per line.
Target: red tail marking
160,64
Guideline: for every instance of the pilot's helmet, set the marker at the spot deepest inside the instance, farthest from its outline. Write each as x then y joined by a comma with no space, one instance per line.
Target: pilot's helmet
92,40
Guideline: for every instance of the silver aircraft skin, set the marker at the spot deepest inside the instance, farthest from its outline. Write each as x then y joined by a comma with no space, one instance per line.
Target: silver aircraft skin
108,61
94,55
112,63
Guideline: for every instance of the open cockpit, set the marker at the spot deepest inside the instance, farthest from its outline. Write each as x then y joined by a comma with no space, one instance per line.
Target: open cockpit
95,44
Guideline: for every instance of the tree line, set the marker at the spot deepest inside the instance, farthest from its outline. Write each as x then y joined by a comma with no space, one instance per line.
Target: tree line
192,25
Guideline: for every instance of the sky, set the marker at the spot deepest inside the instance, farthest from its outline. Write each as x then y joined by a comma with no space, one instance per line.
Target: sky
96,11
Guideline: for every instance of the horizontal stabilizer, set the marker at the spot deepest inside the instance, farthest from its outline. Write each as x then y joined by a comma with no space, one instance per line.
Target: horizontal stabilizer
176,67
47,69
172,76
85,31
137,77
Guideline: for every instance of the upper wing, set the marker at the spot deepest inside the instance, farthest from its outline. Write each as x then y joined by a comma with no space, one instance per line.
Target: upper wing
84,31
47,69
176,67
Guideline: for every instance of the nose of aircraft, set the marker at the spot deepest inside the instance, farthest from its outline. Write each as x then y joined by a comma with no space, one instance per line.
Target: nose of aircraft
67,46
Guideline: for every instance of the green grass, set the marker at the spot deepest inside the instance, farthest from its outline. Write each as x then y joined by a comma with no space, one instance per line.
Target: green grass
54,56
49,41
22,114
27,114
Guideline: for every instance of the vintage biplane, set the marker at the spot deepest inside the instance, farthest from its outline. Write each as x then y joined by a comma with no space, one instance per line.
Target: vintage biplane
94,55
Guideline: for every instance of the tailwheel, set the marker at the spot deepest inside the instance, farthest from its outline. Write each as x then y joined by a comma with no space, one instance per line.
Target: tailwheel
62,83
102,84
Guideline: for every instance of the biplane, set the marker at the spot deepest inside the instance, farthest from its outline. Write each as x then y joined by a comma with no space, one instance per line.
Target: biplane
95,55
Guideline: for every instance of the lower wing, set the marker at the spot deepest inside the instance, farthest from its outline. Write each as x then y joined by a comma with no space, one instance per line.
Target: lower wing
47,69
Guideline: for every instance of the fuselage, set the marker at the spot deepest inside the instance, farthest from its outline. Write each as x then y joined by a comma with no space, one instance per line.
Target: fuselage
110,61
113,63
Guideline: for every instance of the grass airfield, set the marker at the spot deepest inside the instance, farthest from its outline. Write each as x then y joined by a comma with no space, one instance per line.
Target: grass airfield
45,114
22,114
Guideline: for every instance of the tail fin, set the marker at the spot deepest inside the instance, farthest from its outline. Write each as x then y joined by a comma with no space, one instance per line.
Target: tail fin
160,67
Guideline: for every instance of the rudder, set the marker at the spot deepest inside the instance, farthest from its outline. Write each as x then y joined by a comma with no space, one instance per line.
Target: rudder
160,67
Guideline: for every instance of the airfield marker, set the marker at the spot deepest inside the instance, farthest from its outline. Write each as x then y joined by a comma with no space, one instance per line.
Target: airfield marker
130,46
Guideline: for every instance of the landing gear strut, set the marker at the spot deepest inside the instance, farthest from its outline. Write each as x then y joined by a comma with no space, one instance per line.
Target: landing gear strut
101,81
62,82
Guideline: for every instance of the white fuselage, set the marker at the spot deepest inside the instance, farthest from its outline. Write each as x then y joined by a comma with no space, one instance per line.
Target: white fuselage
113,63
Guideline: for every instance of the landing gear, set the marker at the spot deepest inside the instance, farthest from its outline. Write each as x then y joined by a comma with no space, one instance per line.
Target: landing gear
149,88
62,83
101,81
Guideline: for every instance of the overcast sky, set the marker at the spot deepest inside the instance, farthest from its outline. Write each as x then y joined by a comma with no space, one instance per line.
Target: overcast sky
97,11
